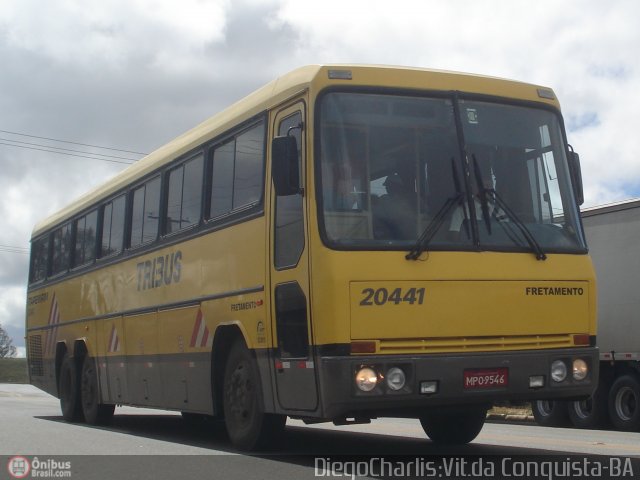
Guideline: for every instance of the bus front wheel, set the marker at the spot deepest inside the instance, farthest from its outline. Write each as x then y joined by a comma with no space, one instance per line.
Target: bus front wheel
95,413
248,426
454,427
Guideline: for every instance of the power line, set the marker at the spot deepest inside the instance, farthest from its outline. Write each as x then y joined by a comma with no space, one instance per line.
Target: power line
72,143
14,249
66,149
61,151
69,154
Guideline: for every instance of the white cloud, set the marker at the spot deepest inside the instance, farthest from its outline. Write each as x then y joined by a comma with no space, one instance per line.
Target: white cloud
12,311
116,32
12,301
586,51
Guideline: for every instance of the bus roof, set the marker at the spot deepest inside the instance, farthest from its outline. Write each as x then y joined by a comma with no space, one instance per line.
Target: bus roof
310,77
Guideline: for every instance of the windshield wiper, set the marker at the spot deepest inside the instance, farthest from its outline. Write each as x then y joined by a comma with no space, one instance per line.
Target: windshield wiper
434,225
500,203
482,194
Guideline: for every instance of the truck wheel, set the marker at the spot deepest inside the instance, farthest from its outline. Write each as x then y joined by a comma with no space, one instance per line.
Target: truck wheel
550,413
95,413
592,412
248,426
455,427
624,403
68,390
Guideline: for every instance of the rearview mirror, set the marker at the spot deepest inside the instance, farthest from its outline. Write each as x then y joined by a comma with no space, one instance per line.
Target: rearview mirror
576,175
285,168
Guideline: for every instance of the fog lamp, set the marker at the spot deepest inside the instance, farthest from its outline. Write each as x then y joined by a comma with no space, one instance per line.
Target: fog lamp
580,369
396,379
366,379
558,371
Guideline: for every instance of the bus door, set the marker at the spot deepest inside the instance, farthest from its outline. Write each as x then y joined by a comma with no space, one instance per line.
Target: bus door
292,332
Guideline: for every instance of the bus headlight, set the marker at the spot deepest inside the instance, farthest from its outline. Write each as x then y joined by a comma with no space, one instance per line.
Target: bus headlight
580,369
558,371
396,379
366,379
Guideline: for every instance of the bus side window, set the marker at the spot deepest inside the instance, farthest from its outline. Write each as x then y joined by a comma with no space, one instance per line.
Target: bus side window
237,173
289,222
61,249
145,213
222,180
85,248
184,195
113,216
39,259
249,166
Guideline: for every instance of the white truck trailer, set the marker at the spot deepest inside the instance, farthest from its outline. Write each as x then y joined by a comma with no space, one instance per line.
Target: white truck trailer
613,237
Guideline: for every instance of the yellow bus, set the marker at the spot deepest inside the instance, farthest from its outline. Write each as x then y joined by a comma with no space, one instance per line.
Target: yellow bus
346,243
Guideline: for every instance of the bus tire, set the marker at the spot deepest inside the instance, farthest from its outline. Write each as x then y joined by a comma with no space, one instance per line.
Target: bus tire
248,426
592,412
454,427
68,390
95,413
624,403
550,413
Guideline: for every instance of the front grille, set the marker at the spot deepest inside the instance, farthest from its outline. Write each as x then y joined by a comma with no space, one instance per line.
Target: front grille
474,344
36,368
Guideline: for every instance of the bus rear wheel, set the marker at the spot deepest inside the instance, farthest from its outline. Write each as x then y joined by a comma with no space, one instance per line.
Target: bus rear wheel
68,390
454,427
95,413
248,426
624,403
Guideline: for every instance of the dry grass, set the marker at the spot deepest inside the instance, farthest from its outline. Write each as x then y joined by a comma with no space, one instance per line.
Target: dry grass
13,370
512,409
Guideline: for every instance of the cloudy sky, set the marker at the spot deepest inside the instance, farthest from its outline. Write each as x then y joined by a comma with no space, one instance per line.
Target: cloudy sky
133,74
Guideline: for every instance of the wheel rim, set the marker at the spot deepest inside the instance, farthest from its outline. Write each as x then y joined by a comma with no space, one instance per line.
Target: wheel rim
239,393
626,403
88,388
584,408
545,407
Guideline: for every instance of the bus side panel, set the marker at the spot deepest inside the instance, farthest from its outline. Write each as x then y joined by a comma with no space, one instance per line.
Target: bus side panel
115,362
158,352
186,374
99,353
144,377
41,346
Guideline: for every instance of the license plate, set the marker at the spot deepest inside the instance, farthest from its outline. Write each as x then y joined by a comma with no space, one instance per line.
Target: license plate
486,378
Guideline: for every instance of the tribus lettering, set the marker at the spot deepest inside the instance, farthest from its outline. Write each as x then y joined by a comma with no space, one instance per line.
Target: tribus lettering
160,271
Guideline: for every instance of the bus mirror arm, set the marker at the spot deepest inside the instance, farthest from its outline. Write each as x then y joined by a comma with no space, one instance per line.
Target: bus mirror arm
285,165
576,175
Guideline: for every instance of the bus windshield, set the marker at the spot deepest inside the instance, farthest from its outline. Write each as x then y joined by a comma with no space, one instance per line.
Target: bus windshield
392,167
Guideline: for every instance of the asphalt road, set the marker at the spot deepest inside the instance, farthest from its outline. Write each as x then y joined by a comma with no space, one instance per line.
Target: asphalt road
158,444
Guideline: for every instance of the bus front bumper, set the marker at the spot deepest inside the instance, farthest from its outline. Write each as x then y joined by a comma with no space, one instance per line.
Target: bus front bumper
451,379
